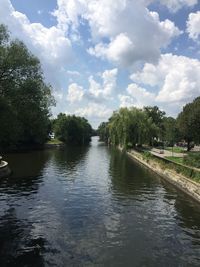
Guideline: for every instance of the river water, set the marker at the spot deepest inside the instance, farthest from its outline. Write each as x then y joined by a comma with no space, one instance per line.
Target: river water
93,206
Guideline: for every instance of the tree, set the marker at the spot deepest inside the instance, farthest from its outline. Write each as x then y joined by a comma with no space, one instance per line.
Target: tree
157,117
130,127
72,129
171,133
103,132
189,122
25,99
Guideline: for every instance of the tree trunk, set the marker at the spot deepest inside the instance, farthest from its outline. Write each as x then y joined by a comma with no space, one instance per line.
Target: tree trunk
188,145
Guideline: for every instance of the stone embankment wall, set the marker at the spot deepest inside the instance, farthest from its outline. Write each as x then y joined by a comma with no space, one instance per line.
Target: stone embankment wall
189,186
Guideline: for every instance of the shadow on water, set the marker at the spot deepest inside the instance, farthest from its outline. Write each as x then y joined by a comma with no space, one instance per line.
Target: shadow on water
69,156
128,177
26,171
17,248
93,206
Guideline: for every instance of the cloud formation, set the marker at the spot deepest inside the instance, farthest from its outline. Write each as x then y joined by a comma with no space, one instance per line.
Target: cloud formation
175,5
50,45
123,32
124,35
177,79
75,93
193,25
97,92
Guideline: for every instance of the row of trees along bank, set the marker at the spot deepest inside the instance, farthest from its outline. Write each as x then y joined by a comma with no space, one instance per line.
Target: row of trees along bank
25,98
25,102
133,126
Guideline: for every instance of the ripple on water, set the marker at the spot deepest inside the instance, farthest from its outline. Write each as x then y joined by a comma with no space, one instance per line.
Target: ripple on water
93,206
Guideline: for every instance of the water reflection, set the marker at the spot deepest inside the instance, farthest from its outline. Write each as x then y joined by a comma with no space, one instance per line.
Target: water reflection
128,177
88,206
69,156
17,248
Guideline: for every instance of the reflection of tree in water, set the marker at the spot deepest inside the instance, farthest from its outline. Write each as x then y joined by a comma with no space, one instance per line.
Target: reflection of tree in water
189,214
127,176
26,169
17,247
69,156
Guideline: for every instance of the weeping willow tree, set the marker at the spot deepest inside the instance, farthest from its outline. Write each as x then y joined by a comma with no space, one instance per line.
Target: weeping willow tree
131,127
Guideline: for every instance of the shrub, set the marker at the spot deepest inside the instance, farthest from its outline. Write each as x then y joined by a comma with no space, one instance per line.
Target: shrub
192,159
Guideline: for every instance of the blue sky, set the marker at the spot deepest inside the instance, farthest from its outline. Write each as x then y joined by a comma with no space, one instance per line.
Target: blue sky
102,55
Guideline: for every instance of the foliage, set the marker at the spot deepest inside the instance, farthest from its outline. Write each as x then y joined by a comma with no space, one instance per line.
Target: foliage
176,159
171,133
54,142
103,132
147,155
192,159
175,149
189,122
157,117
130,127
178,168
72,129
25,99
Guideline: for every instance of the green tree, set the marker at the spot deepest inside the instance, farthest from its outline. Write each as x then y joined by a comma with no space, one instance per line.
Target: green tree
157,117
189,122
72,129
25,99
171,132
130,127
103,132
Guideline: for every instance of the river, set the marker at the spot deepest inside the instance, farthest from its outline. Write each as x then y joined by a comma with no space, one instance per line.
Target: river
93,206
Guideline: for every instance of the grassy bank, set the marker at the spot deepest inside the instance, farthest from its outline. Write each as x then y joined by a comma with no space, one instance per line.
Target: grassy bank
176,159
176,149
54,142
175,164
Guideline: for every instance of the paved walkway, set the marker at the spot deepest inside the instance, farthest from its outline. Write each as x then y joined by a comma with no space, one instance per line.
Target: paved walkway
165,153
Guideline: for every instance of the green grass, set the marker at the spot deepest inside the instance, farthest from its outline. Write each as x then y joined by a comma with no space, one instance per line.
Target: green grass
193,159
176,149
54,142
175,163
176,159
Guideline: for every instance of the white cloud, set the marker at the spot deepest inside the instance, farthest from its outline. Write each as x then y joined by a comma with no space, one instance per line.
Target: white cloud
175,5
106,89
137,96
94,110
126,101
51,45
73,73
97,92
193,25
75,93
177,79
142,96
133,33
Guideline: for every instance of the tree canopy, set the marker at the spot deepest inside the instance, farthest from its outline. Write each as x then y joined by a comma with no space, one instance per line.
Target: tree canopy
128,127
25,98
72,129
133,126
189,122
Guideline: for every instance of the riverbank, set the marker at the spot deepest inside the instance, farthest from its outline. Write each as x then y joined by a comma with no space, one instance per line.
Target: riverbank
54,143
189,186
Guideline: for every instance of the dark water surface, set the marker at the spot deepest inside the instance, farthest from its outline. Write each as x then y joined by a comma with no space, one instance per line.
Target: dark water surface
93,207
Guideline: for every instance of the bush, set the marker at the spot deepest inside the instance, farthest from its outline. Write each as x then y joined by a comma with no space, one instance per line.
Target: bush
192,159
158,143
147,155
